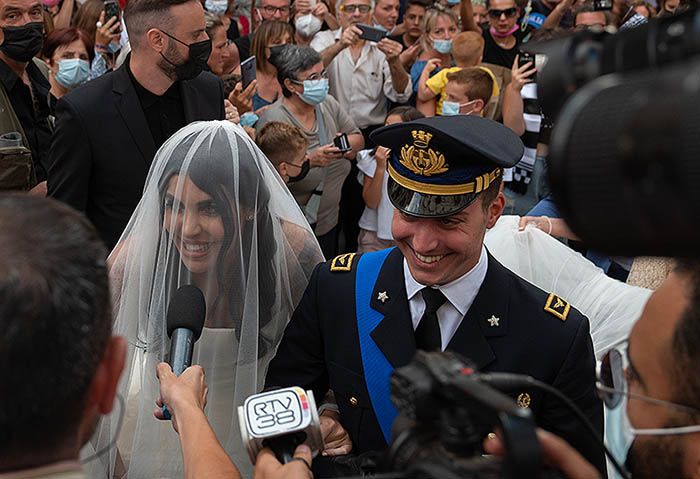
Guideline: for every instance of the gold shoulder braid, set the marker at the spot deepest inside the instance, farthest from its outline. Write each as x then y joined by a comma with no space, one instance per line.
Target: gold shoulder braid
343,262
557,306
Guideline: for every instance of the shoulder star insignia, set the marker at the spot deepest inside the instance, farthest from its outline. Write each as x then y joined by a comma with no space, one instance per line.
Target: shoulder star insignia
493,320
382,296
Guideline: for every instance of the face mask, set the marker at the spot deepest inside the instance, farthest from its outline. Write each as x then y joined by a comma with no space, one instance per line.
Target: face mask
442,46
249,119
451,108
315,91
72,72
453,2
113,47
216,7
498,34
22,43
196,61
618,433
307,25
303,171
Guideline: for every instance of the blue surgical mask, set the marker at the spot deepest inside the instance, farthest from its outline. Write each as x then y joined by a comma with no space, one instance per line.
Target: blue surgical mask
114,47
315,91
216,7
249,119
618,434
451,108
442,46
72,72
453,2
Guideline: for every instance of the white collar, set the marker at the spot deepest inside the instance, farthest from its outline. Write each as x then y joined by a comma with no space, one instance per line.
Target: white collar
460,292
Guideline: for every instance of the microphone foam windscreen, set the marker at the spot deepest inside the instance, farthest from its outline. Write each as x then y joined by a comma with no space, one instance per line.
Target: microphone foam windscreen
187,310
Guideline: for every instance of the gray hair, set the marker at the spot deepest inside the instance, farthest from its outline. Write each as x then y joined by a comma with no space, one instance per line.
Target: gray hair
291,60
338,3
212,22
258,3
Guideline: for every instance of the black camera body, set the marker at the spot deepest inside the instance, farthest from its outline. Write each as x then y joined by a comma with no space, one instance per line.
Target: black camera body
445,413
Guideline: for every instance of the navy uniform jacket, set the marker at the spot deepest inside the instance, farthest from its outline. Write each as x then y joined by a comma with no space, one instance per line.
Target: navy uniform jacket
320,349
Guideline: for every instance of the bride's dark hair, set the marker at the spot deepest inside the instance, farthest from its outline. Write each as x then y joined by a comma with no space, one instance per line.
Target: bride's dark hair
214,172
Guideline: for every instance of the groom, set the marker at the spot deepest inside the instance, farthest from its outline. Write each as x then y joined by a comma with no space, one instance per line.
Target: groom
439,289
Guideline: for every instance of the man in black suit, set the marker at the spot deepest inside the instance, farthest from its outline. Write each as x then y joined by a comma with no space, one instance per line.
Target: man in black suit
107,132
362,316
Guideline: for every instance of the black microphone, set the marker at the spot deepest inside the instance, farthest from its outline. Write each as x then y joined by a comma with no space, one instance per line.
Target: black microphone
185,320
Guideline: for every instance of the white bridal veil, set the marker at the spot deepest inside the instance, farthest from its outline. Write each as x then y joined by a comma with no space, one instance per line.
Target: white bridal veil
611,306
216,215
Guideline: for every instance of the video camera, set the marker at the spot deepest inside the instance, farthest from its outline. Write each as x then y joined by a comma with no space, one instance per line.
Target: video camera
622,155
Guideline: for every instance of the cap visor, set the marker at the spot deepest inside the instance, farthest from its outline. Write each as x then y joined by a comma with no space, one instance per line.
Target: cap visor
425,205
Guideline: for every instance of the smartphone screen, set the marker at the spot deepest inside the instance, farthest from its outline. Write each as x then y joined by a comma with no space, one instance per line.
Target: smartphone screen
248,71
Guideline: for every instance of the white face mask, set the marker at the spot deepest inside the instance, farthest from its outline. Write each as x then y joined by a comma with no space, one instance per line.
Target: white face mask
216,7
307,25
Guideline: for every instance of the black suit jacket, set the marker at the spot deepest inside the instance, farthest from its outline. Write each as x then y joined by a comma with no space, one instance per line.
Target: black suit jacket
102,146
320,349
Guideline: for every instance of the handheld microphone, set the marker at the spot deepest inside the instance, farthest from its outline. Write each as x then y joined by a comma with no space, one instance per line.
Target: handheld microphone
281,420
185,320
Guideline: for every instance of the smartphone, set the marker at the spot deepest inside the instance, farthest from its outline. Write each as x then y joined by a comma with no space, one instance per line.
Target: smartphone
248,71
526,57
112,10
341,141
371,33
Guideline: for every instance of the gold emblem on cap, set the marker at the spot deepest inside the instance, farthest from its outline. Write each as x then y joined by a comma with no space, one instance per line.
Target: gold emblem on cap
524,400
420,159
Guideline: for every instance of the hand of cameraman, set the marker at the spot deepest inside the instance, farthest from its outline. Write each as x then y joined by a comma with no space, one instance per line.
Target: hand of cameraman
556,452
335,437
268,467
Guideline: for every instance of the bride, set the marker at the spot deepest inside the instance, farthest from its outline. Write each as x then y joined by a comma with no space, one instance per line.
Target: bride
214,214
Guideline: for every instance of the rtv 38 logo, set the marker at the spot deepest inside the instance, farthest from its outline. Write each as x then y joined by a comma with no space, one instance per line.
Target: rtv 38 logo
273,412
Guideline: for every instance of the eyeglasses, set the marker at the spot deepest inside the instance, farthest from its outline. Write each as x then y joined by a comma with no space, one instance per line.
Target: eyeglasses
508,12
612,388
353,8
313,77
270,10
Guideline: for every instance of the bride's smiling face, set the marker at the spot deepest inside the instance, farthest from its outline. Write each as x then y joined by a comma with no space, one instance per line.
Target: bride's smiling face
194,224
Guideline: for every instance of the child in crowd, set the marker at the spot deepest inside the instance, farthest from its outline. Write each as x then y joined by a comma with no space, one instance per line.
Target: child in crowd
467,50
375,223
467,92
285,146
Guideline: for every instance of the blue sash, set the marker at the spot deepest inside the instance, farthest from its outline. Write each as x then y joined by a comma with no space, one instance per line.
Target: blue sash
376,367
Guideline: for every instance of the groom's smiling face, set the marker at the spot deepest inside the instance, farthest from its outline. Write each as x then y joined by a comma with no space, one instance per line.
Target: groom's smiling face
194,224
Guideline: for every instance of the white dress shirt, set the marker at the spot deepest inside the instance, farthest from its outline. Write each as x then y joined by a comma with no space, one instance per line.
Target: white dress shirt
460,295
361,88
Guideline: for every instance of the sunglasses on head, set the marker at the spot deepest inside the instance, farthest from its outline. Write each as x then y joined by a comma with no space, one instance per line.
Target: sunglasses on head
508,12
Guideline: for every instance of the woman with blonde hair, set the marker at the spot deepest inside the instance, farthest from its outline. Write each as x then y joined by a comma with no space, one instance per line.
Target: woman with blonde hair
440,26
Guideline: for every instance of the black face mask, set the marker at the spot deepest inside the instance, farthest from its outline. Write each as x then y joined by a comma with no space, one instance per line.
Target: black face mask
22,43
303,171
196,61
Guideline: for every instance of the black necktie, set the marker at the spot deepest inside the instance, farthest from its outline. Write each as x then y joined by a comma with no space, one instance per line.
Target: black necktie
428,330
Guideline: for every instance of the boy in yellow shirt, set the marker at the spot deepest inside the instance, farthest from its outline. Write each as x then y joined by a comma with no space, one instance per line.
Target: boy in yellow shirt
467,51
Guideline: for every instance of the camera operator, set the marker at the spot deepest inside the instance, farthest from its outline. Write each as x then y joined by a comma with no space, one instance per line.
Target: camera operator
61,365
185,397
655,430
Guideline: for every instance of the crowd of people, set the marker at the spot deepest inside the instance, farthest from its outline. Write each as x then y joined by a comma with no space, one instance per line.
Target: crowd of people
377,186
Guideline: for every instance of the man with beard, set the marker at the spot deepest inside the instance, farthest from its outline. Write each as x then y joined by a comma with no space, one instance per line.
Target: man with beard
108,131
654,424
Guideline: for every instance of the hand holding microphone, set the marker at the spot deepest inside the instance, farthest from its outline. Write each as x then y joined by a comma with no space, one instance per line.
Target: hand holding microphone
187,391
185,320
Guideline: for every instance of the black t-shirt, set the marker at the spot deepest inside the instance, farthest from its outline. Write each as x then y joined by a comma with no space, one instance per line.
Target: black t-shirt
500,56
399,38
243,44
164,114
